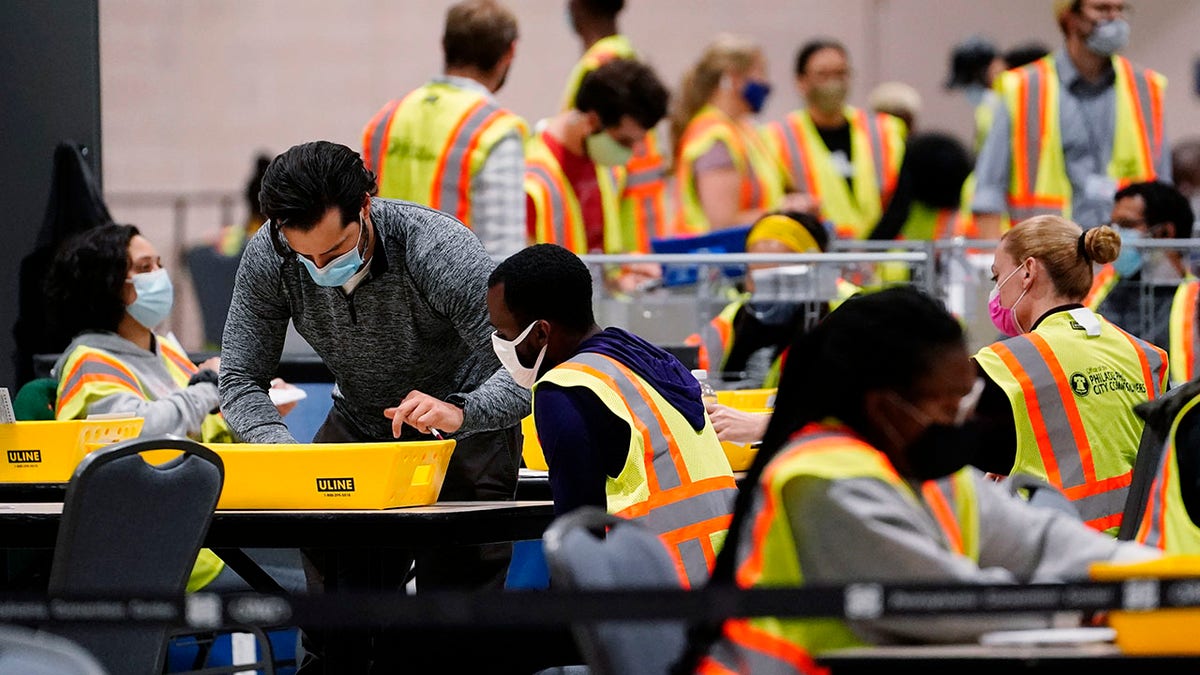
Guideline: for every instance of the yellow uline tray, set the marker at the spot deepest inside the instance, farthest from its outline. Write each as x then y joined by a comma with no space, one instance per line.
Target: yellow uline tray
49,451
1160,631
331,475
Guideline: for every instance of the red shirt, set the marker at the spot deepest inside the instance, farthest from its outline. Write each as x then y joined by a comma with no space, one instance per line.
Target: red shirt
581,175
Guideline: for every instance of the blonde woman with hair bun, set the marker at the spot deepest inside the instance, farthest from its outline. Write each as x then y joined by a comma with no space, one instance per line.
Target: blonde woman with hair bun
724,173
1060,391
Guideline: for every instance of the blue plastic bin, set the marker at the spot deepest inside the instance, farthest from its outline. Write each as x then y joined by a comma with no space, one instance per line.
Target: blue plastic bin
729,240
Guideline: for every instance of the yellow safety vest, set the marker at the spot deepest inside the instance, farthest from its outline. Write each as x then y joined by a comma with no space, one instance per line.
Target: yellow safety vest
558,217
826,452
1039,184
1102,284
715,339
1166,523
428,146
1185,342
762,180
1073,394
91,374
876,151
928,224
676,481
644,203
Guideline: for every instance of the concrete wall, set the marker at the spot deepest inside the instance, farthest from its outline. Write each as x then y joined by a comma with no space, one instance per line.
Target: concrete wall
193,88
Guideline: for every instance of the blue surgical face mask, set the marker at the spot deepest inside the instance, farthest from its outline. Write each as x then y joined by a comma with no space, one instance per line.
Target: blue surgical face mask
155,295
339,270
1109,37
975,94
1129,260
755,94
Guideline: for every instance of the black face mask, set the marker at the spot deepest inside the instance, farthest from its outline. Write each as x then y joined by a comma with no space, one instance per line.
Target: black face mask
942,449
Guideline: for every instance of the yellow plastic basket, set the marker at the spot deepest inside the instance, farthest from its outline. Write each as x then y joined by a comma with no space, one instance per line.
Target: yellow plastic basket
531,449
332,475
747,399
740,455
1160,631
49,451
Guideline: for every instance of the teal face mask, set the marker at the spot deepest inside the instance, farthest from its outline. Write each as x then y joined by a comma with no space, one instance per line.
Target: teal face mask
605,150
339,270
1129,260
155,296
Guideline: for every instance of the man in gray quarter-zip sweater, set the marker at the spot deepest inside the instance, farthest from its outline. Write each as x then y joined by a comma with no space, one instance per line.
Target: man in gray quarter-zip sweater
392,296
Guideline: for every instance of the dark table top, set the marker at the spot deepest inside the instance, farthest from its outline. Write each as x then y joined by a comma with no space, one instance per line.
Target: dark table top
35,525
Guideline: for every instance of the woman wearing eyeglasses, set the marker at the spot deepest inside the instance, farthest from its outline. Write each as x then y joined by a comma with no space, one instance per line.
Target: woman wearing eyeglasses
1064,385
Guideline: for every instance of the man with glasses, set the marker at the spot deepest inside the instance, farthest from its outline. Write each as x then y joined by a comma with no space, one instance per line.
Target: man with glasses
1138,290
1108,130
392,296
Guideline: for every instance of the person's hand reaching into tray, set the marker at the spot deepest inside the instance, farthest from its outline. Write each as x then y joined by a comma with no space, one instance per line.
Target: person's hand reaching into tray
424,412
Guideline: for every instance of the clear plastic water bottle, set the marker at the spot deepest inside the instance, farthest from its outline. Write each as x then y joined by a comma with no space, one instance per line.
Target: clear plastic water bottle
707,393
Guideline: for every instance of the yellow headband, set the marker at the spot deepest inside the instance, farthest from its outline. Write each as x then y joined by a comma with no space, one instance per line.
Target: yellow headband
784,230
1062,7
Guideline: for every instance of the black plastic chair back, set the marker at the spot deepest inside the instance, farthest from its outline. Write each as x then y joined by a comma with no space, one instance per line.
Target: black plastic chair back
133,529
589,549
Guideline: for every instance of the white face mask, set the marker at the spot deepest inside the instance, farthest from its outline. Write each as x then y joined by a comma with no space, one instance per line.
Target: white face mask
506,351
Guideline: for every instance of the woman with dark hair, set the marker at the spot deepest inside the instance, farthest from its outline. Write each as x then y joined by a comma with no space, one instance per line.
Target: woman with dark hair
861,478
108,288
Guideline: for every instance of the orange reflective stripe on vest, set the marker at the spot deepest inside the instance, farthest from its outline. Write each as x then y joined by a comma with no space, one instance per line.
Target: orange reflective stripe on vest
1062,441
750,570
95,366
563,227
943,512
1152,531
684,512
375,136
761,652
882,152
1185,342
1102,285
453,196
1029,125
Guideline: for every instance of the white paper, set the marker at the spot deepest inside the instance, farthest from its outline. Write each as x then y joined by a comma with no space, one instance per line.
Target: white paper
7,416
1048,636
282,396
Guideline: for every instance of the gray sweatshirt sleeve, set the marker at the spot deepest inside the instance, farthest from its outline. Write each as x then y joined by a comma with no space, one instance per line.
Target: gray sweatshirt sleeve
451,268
863,529
250,347
1041,545
180,413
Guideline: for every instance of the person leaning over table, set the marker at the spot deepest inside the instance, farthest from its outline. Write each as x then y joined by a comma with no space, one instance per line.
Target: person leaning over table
1061,390
864,478
620,421
108,287
391,296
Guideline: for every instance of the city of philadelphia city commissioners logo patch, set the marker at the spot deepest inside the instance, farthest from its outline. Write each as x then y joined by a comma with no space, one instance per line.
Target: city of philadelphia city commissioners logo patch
1080,385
